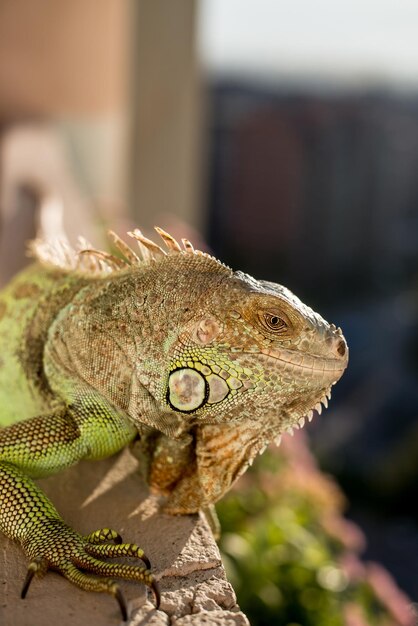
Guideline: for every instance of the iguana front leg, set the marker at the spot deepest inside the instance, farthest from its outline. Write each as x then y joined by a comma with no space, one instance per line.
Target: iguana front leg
44,445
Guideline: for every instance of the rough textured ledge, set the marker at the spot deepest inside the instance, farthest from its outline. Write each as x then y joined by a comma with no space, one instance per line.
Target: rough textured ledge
183,553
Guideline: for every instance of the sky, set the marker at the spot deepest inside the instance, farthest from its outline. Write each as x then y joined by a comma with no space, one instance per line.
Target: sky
347,40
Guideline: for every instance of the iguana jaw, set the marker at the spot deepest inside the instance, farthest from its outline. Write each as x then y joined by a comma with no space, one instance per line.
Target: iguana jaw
313,370
315,376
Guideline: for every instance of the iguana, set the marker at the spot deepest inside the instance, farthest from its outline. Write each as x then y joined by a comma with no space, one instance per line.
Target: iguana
201,365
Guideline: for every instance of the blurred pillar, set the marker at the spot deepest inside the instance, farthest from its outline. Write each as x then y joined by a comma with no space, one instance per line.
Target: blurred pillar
165,155
113,84
63,103
62,59
66,63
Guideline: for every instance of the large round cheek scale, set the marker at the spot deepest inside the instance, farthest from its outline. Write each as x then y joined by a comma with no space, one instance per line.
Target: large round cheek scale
187,389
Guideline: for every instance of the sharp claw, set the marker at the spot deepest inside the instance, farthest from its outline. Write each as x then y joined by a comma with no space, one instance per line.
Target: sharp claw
38,565
146,561
122,603
156,590
29,575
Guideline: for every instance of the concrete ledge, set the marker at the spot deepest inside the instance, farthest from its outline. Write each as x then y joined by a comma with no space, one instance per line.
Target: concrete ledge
184,556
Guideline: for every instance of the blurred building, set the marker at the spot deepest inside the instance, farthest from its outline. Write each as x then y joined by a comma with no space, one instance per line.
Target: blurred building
316,189
99,117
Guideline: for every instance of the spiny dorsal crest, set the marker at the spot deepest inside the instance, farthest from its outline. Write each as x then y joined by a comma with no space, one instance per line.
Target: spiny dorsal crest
85,259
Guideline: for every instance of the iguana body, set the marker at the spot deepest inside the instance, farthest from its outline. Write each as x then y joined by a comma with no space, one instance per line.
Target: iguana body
205,366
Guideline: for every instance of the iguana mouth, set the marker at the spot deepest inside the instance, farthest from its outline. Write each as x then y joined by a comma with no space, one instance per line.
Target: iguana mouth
314,363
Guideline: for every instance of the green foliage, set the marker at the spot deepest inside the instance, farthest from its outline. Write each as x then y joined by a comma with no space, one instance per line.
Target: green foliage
291,556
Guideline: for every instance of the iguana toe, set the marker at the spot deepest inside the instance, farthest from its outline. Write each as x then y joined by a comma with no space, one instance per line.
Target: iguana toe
103,534
79,558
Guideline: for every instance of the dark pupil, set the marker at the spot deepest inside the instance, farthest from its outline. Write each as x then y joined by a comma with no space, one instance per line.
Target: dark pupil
274,320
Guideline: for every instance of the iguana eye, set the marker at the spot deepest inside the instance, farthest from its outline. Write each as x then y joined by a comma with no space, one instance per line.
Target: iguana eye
274,322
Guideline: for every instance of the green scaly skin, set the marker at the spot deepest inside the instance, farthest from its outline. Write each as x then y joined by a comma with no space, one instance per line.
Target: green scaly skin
201,365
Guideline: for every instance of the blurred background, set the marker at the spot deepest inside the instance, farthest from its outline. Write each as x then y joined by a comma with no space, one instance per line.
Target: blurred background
285,135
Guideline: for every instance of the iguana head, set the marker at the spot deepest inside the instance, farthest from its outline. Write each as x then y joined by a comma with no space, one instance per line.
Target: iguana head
253,351
208,345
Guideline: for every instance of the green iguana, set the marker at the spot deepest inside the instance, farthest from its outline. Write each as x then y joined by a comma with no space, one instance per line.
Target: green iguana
203,365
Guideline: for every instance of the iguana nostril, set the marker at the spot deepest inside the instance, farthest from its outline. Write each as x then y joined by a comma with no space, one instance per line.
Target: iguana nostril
341,347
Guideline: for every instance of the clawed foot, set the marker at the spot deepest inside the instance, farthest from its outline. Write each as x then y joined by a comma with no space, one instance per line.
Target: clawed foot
60,548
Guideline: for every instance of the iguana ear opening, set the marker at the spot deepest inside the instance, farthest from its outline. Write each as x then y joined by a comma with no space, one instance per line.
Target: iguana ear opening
206,331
